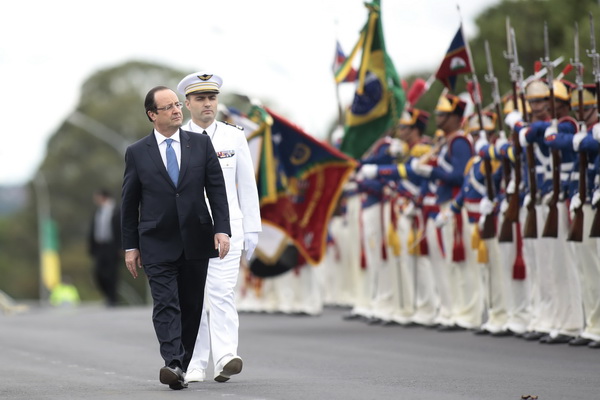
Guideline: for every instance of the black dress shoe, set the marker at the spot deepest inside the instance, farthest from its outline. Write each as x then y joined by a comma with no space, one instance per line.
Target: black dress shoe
594,344
350,316
172,376
545,339
579,341
533,335
450,328
504,333
559,339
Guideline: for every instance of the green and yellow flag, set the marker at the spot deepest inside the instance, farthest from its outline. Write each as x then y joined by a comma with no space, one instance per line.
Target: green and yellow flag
50,268
379,97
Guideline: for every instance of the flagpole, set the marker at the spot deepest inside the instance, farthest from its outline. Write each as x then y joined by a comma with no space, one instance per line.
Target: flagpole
43,214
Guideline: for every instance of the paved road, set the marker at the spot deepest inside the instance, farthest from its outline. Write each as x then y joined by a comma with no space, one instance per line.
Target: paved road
95,353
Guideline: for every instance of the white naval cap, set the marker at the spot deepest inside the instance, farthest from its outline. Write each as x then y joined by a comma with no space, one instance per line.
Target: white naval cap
200,82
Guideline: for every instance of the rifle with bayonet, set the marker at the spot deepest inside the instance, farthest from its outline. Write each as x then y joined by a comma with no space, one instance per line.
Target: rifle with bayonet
511,215
488,230
530,227
551,226
505,234
595,230
576,231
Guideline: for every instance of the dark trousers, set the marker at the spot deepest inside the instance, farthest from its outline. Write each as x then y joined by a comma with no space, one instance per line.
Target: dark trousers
106,271
178,294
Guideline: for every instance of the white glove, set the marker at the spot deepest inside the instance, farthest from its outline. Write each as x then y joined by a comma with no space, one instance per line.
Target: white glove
577,138
547,198
512,118
481,222
486,206
596,197
575,203
442,218
250,242
596,132
397,148
481,141
410,210
503,206
510,188
368,171
500,142
526,200
523,137
552,129
423,170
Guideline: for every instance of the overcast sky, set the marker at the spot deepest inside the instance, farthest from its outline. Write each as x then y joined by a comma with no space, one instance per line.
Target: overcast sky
279,50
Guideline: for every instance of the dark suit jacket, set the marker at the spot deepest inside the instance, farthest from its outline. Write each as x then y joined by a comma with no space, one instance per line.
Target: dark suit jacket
162,220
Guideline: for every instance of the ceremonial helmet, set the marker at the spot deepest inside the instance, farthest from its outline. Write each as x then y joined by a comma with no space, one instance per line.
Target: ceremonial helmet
489,122
509,105
537,90
450,104
589,97
414,117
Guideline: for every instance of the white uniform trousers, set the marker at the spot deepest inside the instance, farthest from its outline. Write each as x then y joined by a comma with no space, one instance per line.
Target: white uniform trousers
517,300
441,273
386,289
588,264
567,318
350,250
219,324
495,287
371,241
419,300
465,279
537,260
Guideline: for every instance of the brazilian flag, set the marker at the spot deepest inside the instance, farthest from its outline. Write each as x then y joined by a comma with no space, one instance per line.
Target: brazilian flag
379,97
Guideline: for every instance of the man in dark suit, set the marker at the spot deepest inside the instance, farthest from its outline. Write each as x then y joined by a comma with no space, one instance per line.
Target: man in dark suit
104,245
167,228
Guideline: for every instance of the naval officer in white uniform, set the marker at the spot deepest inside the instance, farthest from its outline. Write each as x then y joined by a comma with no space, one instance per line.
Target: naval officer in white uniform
218,331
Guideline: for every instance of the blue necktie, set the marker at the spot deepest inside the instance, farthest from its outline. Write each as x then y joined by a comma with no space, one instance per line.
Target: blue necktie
172,167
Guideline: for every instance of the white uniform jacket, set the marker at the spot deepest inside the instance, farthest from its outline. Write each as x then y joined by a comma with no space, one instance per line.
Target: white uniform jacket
232,150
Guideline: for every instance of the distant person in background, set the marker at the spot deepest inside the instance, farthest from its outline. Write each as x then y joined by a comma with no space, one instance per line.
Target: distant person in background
105,245
219,325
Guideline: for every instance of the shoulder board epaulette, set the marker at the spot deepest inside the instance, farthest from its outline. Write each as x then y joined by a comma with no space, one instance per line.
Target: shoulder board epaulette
234,125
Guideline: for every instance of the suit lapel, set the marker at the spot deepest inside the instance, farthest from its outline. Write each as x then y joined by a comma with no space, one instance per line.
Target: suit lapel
154,154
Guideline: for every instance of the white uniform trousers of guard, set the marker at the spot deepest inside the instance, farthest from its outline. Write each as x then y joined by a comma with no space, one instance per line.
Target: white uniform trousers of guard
344,257
517,300
588,265
219,324
371,242
567,317
419,301
386,291
465,279
495,287
441,274
350,244
541,282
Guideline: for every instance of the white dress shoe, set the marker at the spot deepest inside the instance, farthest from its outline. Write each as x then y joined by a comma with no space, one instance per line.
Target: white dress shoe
231,366
195,375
